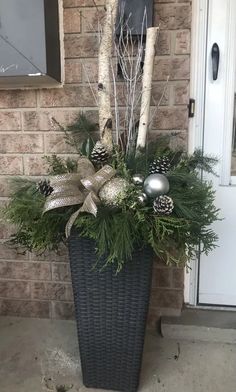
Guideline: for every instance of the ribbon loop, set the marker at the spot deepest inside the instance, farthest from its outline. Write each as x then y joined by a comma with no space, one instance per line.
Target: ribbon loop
78,189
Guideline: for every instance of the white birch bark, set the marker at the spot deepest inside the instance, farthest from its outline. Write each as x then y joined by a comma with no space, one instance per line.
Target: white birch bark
147,87
104,83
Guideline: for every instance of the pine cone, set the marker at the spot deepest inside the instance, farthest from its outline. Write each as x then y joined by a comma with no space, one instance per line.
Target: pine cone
163,205
160,166
99,154
45,188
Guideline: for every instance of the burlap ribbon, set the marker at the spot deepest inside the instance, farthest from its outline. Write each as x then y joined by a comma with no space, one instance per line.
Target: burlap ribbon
78,188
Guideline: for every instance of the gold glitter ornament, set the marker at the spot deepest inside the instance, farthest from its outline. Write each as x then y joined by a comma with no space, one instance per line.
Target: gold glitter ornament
113,192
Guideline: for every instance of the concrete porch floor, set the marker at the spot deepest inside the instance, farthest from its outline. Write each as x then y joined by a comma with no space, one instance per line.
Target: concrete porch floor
42,356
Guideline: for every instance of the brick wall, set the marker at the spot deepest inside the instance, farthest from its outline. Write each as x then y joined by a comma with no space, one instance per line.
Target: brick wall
40,286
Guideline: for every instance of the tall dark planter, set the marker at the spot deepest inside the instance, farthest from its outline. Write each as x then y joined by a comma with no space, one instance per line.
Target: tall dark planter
111,312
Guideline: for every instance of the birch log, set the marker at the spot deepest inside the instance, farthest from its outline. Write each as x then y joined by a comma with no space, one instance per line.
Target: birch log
147,87
104,83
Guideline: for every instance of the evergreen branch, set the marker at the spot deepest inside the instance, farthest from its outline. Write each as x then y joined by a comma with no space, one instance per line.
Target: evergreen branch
118,232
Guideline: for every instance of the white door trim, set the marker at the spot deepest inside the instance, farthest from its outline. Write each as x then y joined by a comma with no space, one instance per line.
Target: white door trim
196,125
199,69
226,178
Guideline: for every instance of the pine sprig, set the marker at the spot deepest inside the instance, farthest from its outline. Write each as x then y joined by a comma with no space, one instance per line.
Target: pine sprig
35,231
81,135
174,238
58,165
198,161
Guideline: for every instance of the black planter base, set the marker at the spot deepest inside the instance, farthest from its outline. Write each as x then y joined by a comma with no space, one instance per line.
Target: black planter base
111,312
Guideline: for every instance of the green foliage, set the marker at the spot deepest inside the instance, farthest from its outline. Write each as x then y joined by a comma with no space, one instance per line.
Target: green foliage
81,135
35,231
175,238
198,161
114,234
58,165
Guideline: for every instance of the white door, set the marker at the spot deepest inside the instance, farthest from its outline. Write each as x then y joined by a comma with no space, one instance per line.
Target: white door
217,273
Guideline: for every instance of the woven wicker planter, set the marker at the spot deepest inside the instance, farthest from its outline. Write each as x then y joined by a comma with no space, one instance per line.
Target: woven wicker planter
111,314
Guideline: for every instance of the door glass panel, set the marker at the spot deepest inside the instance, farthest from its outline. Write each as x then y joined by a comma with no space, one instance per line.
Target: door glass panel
233,162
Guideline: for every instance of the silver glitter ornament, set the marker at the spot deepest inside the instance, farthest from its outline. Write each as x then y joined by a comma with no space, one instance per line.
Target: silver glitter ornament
156,185
138,179
142,198
113,192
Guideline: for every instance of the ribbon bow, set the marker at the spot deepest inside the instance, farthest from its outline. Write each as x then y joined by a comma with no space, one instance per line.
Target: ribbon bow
78,188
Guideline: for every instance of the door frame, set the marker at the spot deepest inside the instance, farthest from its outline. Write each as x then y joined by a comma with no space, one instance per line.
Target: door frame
200,10
198,75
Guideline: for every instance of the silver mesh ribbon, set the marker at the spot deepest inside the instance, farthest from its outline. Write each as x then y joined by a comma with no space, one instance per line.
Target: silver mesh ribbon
78,189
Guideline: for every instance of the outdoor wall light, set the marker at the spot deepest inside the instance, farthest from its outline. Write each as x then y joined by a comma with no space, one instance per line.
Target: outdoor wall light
134,17
138,14
30,52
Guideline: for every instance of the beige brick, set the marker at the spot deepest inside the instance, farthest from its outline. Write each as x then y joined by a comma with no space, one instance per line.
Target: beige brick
92,115
90,71
177,139
11,165
177,68
19,308
81,46
182,42
35,166
5,186
172,17
19,143
178,278
56,144
13,289
17,99
73,71
164,1
83,3
160,94
61,255
52,291
72,20
167,298
10,121
171,118
44,120
153,319
92,18
3,203
9,253
61,272
181,94
159,90
162,277
63,310
67,97
6,230
163,45
25,271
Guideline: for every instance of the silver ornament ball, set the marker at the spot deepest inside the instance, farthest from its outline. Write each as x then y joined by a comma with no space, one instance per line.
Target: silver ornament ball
138,179
156,185
142,198
113,192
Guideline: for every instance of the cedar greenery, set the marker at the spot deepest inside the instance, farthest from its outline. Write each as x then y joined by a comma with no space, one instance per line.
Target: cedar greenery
175,238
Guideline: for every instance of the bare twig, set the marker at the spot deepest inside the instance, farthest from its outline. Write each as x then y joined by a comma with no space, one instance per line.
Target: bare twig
90,84
157,104
95,5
